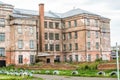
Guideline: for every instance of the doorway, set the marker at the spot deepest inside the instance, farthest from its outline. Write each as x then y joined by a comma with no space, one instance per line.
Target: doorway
48,60
2,63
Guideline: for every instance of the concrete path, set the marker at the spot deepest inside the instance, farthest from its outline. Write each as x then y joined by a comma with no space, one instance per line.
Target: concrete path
55,77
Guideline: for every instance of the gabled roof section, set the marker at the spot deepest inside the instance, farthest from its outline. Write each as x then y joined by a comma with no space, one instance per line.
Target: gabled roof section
24,11
76,12
2,3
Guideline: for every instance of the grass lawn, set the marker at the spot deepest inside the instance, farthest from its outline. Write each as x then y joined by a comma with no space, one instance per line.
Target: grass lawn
9,77
81,73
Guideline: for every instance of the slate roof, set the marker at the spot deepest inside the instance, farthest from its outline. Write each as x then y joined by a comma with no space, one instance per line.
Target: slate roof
50,13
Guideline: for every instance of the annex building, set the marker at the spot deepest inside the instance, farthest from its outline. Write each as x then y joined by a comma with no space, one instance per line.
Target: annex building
74,36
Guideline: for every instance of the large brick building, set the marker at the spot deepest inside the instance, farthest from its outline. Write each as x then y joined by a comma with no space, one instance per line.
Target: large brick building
76,35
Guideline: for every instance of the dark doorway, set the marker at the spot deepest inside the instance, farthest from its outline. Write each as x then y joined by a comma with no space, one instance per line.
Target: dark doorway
2,63
48,60
57,59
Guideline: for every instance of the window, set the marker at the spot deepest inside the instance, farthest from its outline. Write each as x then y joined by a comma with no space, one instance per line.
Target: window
31,30
50,24
46,47
76,35
57,25
32,59
96,34
20,59
57,47
2,51
20,44
51,37
70,47
88,34
76,57
46,36
64,47
70,56
64,36
75,23
89,57
2,22
63,25
97,45
2,36
87,22
88,45
96,23
97,56
19,29
76,46
51,47
57,36
31,44
37,35
65,58
69,24
69,35
45,24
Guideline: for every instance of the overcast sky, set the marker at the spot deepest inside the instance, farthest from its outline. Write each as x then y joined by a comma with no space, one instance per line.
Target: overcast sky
106,8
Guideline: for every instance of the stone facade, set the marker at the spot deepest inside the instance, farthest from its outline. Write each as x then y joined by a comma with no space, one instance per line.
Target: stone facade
75,36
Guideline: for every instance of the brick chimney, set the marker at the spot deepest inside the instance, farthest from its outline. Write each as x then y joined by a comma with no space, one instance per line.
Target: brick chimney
41,27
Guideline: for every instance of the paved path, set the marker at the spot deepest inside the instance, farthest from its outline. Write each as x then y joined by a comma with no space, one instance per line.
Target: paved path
55,77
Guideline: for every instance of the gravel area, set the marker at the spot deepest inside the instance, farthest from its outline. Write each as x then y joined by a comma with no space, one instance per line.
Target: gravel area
55,77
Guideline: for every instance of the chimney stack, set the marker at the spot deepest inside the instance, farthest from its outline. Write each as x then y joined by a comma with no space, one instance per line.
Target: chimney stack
41,27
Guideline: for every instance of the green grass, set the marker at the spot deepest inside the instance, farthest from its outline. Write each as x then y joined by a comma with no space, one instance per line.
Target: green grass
81,73
9,77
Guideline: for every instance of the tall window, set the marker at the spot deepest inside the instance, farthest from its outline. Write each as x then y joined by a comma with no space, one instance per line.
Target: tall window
31,44
56,36
69,24
88,45
64,47
89,57
19,28
87,21
75,23
50,24
31,30
46,47
57,25
97,45
65,58
76,35
32,59
64,36
70,47
2,36
63,25
69,35
45,24
76,57
51,36
88,34
2,22
96,34
46,36
96,23
97,56
20,44
51,47
70,56
20,59
2,51
76,46
57,47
